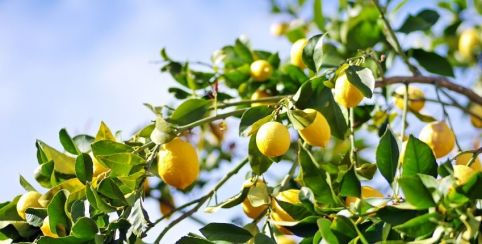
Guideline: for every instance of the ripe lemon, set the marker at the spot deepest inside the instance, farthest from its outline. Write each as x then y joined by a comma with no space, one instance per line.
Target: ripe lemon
318,133
261,70
468,42
250,210
464,158
476,109
273,139
282,239
413,93
296,53
463,173
257,95
45,228
28,200
278,213
346,93
178,164
279,29
366,192
439,137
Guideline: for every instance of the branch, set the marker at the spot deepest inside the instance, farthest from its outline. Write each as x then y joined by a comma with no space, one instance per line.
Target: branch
212,118
242,102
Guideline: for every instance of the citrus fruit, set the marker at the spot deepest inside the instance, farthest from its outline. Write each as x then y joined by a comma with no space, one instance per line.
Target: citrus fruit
366,192
296,53
439,137
346,93
178,163
28,200
261,70
257,95
468,42
476,109
248,208
45,228
414,93
278,213
273,139
463,173
464,158
282,239
279,29
318,133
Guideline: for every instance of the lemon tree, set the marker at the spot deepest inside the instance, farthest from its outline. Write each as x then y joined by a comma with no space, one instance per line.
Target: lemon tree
352,137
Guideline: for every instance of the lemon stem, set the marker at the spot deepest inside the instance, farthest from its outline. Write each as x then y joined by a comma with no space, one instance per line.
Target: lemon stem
353,155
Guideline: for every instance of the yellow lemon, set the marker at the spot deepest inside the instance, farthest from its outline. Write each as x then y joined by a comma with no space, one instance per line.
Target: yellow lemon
476,109
463,173
468,42
45,228
464,158
346,93
28,200
414,93
257,95
366,192
439,137
248,208
178,163
296,53
261,70
279,29
318,133
273,139
282,239
278,213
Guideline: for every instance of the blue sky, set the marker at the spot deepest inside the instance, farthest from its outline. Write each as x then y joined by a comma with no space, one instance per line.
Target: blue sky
74,63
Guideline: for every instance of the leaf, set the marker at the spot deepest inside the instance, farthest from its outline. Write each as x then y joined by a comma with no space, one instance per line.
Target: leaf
300,119
387,156
253,118
261,238
58,219
193,240
77,209
139,219
60,240
325,231
243,51
179,93
85,229
110,189
230,202
343,228
35,216
423,20
362,78
472,187
318,14
163,131
415,192
313,52
107,147
259,163
432,62
96,201
305,227
225,232
420,226
104,133
121,164
363,30
418,158
350,185
189,111
43,174
395,216
83,142
84,168
366,170
27,186
67,142
62,163
295,211
8,210
422,117
258,195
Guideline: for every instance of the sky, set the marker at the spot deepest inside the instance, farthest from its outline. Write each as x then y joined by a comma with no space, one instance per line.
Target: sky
71,64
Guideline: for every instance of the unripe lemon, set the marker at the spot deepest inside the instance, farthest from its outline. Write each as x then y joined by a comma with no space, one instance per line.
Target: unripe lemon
257,95
28,200
346,93
366,192
178,164
250,210
439,137
261,70
279,29
45,228
413,93
476,109
273,139
468,42
463,173
464,158
318,133
296,53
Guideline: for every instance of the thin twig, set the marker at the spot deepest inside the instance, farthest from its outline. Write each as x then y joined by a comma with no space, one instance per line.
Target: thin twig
242,102
447,116
212,118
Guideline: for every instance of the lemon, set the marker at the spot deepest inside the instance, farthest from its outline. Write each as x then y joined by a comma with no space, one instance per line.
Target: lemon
261,70
296,53
414,93
463,173
273,139
468,42
279,29
278,213
257,95
283,239
366,192
28,200
439,137
250,210
166,206
346,93
318,133
45,228
178,164
98,168
476,109
464,158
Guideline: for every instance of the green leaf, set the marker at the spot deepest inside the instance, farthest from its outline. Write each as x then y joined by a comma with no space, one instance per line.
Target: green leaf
43,174
163,131
62,163
423,117
420,226
305,227
472,187
26,185
432,62
313,51
423,20
179,93
84,229
67,142
84,168
325,231
121,164
35,216
138,218
230,202
318,14
362,114
189,111
193,240
243,51
362,78
83,142
300,119
58,219
415,192
350,185
60,240
254,118
77,209
366,170
236,77
8,210
225,232
259,163
110,189
418,158
395,216
104,133
387,156
261,238
362,30
96,201
295,211
343,228
107,147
